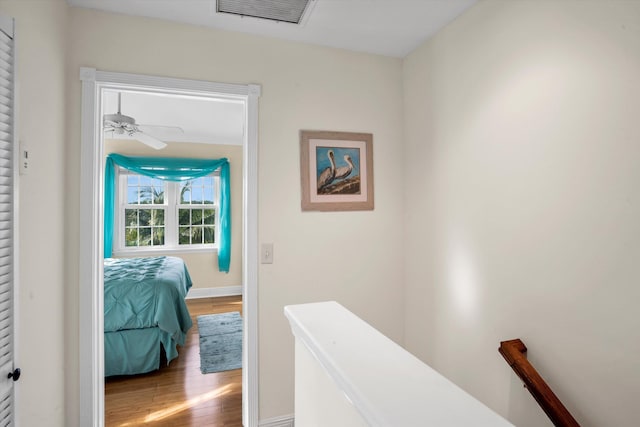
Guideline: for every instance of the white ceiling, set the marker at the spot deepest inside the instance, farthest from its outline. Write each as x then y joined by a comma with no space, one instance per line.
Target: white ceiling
385,27
173,118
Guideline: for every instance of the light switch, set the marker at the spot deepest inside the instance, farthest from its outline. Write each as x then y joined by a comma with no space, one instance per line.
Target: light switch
266,255
24,159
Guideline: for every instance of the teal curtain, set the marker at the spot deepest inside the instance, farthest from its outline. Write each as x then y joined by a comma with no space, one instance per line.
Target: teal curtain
170,169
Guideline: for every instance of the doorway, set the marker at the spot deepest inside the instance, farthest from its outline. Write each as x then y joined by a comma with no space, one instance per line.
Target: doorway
91,357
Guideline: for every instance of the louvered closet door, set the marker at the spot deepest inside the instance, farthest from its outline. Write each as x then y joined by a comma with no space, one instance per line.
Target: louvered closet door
7,373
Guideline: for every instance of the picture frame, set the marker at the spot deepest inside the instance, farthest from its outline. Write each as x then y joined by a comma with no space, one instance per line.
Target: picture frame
336,171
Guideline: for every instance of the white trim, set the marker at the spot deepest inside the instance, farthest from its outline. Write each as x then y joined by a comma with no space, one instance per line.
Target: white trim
91,222
283,421
167,84
162,250
222,291
91,360
250,392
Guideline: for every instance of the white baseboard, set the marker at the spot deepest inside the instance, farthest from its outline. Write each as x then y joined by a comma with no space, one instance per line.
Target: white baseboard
283,421
225,291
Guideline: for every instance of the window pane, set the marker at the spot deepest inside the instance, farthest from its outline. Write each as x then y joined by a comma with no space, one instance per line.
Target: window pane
196,195
131,217
132,195
157,217
208,195
145,217
196,216
145,195
145,236
209,234
184,216
196,235
209,216
185,193
184,235
158,235
145,180
133,180
131,237
151,194
158,194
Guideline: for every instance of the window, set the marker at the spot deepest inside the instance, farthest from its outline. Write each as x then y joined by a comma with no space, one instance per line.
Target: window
155,215
196,214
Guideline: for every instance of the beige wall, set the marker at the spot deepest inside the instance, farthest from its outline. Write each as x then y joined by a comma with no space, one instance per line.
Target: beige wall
518,159
352,257
41,305
203,267
522,203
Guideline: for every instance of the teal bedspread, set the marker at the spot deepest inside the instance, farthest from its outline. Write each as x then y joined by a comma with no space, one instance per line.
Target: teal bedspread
144,306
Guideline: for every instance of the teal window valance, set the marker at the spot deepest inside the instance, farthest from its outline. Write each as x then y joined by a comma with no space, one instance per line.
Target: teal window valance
170,169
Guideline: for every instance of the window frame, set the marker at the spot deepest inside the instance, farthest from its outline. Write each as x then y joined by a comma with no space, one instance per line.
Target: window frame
171,208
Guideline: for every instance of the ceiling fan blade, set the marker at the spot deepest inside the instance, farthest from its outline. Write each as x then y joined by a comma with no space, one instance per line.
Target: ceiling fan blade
163,128
164,133
149,140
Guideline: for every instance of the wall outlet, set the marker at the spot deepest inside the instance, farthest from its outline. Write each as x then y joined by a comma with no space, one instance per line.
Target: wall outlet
266,253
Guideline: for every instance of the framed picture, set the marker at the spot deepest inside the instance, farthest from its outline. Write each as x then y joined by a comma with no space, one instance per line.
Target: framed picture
336,171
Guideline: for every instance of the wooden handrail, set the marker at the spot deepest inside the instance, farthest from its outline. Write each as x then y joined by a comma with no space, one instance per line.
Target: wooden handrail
513,352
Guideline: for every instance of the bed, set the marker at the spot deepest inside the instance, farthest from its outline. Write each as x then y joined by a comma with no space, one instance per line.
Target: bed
144,308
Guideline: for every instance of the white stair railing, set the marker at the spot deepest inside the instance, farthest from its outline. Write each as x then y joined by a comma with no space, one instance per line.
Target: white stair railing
348,374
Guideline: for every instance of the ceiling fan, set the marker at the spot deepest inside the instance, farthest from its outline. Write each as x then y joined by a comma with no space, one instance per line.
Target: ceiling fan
119,124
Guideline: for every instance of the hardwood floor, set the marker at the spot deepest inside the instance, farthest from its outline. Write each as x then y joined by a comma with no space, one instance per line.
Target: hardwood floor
179,395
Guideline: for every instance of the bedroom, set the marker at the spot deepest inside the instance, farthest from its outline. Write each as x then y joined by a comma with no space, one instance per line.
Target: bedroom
179,127
580,152
203,129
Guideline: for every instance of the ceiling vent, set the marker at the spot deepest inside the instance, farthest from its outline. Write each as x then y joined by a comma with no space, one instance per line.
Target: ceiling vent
291,11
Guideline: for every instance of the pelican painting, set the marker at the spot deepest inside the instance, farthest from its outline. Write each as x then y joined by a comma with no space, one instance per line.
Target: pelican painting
336,171
338,178
344,171
328,174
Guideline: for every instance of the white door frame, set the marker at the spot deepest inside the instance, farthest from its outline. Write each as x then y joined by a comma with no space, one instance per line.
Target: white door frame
91,225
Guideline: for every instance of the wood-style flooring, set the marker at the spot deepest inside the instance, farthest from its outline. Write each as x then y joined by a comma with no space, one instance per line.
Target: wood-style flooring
179,395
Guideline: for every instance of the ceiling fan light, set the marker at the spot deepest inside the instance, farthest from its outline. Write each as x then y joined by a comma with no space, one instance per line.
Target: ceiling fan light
119,118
